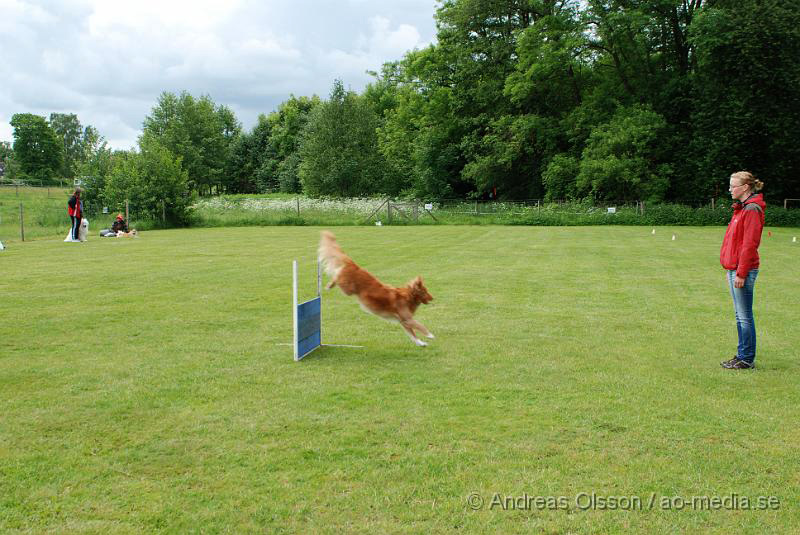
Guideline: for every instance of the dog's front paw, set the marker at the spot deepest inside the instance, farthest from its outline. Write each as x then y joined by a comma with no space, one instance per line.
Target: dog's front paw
420,343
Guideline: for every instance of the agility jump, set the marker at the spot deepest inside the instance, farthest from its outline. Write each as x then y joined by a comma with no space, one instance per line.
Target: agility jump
307,319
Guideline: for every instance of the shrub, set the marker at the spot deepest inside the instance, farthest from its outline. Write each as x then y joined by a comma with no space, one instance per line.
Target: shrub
149,178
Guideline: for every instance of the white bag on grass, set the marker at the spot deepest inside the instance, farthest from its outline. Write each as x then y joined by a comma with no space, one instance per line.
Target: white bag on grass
83,232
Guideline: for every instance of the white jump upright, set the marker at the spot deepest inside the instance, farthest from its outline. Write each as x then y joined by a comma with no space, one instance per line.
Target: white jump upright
307,317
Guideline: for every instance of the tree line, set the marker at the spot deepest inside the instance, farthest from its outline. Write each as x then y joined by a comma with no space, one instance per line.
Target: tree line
658,100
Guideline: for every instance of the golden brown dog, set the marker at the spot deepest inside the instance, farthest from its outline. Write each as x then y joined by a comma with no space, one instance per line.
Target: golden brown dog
393,304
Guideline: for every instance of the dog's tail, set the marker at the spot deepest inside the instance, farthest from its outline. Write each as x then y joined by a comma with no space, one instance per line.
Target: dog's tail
330,254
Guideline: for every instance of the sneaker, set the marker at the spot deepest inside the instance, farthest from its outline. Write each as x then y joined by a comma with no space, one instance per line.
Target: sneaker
727,363
739,364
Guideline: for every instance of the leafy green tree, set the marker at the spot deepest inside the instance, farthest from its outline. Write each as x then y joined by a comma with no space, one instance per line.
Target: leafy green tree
398,138
247,154
36,146
420,139
281,158
79,143
623,160
94,173
560,177
148,178
748,94
479,40
554,65
288,174
339,148
466,133
643,55
70,132
266,159
199,131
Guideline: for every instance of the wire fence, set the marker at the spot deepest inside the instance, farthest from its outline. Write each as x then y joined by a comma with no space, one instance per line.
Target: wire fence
34,212
28,212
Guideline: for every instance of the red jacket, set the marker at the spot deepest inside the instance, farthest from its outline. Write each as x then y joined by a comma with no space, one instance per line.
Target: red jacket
74,206
740,247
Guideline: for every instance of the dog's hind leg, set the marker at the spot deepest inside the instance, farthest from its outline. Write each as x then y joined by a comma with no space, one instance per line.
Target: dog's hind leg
421,328
407,325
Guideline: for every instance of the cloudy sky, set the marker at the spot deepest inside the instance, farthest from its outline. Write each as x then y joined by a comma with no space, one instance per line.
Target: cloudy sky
107,60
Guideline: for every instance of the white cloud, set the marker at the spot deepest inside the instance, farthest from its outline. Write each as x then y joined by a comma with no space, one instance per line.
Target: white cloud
108,61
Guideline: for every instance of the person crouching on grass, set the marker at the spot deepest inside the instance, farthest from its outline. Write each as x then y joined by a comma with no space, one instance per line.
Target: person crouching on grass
739,256
119,225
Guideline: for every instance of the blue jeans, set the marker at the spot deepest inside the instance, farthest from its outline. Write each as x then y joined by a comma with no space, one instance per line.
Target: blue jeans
743,305
76,224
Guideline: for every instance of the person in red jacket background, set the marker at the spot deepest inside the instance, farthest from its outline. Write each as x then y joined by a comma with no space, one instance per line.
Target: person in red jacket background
75,211
739,256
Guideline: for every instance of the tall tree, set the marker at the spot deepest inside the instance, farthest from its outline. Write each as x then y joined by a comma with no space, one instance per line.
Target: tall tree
94,172
281,156
748,86
36,146
624,159
70,132
339,149
197,130
643,55
152,180
246,172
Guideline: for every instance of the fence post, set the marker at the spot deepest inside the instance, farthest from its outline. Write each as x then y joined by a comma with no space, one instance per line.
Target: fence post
389,211
127,218
21,223
713,202
163,211
298,206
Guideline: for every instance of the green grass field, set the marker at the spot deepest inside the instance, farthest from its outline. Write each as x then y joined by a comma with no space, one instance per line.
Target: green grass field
143,388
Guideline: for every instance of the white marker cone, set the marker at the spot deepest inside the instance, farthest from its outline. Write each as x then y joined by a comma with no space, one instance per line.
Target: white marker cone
794,239
673,237
654,231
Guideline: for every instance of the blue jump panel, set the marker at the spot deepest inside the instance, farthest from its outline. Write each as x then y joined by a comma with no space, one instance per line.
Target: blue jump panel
308,326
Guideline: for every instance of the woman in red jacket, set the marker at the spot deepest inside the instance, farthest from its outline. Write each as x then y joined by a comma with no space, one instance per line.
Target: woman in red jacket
739,255
75,211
